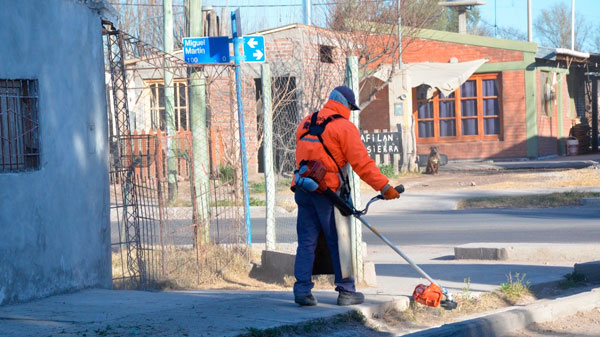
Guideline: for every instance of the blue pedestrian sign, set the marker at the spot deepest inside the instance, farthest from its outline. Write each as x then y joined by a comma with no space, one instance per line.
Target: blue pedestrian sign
198,50
254,48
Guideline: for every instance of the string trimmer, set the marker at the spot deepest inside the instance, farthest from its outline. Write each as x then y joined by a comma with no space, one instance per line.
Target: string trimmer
431,295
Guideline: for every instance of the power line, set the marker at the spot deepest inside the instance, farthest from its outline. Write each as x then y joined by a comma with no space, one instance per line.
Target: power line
246,6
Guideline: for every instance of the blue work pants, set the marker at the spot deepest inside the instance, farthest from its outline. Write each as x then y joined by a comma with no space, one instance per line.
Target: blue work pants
315,213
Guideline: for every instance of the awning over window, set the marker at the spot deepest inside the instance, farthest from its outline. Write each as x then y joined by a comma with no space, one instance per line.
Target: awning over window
446,77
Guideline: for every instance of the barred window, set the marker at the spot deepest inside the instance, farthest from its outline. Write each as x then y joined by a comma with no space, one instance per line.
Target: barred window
19,126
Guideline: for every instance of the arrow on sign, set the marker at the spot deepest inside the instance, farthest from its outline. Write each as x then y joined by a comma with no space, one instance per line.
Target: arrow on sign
252,43
257,54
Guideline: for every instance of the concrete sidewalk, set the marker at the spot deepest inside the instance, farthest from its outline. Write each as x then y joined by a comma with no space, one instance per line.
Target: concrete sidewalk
229,313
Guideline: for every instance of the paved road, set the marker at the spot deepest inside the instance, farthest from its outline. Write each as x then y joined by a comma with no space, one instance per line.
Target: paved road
564,224
426,227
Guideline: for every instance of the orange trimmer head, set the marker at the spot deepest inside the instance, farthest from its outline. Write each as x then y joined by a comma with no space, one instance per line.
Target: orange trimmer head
432,296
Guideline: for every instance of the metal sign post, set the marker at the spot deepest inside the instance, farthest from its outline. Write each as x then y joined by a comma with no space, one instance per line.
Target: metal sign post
235,24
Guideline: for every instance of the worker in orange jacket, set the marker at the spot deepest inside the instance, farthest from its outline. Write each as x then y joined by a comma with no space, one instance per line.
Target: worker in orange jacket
327,136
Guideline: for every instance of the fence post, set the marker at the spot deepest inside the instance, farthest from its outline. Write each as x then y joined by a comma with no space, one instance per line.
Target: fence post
198,112
352,78
267,101
169,100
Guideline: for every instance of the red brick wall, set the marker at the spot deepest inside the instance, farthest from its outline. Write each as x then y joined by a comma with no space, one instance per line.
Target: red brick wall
512,144
376,115
419,50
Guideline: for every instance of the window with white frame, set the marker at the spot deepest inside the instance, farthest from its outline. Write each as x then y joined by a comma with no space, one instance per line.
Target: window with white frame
19,126
180,105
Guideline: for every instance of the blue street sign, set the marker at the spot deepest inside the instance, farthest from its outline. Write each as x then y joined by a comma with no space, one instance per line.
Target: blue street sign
206,49
254,48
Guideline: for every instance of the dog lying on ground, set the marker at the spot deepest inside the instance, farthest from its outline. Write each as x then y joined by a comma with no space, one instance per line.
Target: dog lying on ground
433,163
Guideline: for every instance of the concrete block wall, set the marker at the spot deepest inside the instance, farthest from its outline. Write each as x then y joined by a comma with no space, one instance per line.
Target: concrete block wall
55,220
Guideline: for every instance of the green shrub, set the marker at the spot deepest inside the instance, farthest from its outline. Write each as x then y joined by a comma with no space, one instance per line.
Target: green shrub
573,280
257,187
257,202
388,171
226,174
515,288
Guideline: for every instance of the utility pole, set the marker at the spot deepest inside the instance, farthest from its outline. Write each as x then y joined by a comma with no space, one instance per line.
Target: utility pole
529,22
572,24
169,99
307,16
595,79
200,148
267,101
352,78
495,19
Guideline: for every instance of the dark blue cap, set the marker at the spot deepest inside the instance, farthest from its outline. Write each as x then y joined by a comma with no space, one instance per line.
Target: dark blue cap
346,94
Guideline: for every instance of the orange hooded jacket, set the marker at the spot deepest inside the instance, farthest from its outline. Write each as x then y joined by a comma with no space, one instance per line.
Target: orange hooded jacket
342,138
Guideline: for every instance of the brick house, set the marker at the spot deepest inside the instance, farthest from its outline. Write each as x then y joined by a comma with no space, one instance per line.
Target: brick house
520,103
500,111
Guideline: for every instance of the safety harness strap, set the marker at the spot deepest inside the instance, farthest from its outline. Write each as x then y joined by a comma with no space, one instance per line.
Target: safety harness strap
315,129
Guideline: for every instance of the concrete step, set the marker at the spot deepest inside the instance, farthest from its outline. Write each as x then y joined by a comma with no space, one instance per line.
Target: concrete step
538,252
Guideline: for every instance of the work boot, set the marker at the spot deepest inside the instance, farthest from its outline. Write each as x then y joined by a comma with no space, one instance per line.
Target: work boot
306,300
349,297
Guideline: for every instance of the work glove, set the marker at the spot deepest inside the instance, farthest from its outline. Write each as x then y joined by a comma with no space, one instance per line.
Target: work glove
389,192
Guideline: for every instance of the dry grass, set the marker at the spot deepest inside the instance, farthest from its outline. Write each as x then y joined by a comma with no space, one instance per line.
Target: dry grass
527,201
418,316
588,177
211,267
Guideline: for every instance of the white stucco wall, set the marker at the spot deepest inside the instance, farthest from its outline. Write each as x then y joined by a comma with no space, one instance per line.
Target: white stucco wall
54,222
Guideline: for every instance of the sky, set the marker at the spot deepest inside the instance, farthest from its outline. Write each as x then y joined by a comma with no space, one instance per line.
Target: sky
263,14
513,13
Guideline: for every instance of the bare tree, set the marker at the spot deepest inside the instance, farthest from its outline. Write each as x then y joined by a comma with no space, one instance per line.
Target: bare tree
511,33
596,43
368,29
145,20
553,26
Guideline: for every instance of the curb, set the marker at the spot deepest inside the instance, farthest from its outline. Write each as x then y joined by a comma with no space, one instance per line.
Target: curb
518,318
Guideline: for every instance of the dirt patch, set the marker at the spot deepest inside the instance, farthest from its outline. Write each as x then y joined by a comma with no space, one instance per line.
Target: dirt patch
419,317
498,180
581,324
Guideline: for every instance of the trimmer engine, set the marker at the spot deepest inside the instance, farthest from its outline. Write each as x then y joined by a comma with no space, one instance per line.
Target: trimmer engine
432,296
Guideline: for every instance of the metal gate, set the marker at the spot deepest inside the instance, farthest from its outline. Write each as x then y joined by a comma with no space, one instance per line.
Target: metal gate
165,226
